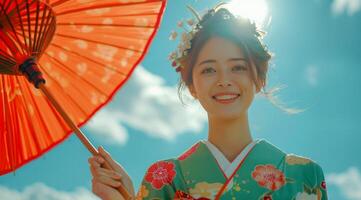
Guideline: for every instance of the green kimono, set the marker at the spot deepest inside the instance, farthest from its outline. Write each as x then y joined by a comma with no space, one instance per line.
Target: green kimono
261,171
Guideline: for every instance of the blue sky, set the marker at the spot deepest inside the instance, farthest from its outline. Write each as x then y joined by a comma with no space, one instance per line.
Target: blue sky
317,56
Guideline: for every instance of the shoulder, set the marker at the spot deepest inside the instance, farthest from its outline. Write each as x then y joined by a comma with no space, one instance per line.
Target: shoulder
293,159
310,170
296,160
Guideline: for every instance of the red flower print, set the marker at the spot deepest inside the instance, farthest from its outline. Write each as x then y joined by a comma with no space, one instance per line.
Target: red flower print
267,197
160,174
269,177
323,185
189,152
180,195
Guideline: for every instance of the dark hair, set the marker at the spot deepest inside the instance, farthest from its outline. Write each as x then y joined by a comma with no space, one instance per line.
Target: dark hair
242,32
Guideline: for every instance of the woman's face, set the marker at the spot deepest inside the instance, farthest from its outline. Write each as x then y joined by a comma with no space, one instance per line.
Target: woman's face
222,79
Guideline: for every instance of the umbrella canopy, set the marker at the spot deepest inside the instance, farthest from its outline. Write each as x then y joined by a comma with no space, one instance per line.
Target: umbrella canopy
85,50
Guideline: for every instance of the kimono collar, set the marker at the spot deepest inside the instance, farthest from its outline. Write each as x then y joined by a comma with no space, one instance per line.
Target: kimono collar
198,163
226,166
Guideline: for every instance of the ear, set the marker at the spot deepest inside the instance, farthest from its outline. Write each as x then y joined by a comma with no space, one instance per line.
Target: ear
192,91
258,89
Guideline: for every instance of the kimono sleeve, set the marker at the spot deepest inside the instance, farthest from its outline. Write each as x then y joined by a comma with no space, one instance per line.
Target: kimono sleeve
320,182
157,183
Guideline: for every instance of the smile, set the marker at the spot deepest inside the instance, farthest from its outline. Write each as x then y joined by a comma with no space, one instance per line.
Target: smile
226,99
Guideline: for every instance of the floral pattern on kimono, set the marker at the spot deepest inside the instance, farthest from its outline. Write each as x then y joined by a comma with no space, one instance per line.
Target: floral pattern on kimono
265,172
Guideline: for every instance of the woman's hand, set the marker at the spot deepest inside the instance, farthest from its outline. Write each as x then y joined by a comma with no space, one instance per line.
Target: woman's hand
106,181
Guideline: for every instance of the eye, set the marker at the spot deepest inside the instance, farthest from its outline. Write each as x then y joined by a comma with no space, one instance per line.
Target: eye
207,70
239,68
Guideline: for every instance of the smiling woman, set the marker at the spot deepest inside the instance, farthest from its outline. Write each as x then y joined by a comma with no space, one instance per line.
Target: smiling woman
223,62
222,68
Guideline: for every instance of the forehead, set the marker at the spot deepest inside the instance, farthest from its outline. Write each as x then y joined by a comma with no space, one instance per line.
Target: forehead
218,48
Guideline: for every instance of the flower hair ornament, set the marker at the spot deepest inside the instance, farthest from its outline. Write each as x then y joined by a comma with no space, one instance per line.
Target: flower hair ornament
191,27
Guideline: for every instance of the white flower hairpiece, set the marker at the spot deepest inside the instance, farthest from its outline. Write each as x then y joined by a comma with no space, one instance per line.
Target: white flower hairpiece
191,27
185,42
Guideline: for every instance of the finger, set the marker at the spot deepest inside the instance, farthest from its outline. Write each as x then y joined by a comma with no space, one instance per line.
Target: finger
98,189
108,158
108,181
106,172
97,170
94,171
96,161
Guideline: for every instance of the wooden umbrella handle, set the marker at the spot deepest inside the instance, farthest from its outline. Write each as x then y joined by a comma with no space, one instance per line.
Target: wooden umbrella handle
80,135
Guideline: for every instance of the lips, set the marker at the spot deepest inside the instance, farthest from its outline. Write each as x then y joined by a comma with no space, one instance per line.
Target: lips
226,98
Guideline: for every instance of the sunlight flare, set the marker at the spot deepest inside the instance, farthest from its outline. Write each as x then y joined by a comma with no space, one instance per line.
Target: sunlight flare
255,10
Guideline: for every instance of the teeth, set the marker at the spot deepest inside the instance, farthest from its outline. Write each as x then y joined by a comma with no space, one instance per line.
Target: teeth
225,97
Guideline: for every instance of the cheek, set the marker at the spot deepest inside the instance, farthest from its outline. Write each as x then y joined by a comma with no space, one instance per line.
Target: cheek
202,88
246,83
201,84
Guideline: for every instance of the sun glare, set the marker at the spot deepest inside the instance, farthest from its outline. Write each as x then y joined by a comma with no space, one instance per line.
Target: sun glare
255,10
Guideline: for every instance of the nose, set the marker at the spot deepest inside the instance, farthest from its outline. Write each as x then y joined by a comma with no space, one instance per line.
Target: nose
224,83
223,80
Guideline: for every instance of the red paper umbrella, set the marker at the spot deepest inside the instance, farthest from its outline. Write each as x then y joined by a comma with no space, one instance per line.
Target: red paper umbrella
78,53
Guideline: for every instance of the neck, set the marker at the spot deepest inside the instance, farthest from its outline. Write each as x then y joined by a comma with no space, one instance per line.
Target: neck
229,136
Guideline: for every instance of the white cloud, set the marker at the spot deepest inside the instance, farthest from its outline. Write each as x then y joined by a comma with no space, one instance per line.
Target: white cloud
349,6
311,75
106,126
40,191
147,104
349,182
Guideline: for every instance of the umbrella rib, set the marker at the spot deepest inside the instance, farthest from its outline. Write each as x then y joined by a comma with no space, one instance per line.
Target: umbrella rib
31,126
124,15
67,69
87,58
58,116
72,72
48,29
74,102
105,25
69,97
11,153
76,75
39,42
7,57
114,16
97,42
51,106
21,23
29,26
36,27
84,80
12,28
4,110
102,6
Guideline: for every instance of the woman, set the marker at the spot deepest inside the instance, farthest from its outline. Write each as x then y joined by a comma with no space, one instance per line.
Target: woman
223,63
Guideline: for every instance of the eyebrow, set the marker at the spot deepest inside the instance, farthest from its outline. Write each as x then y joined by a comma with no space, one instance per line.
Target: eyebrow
207,61
237,59
213,61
